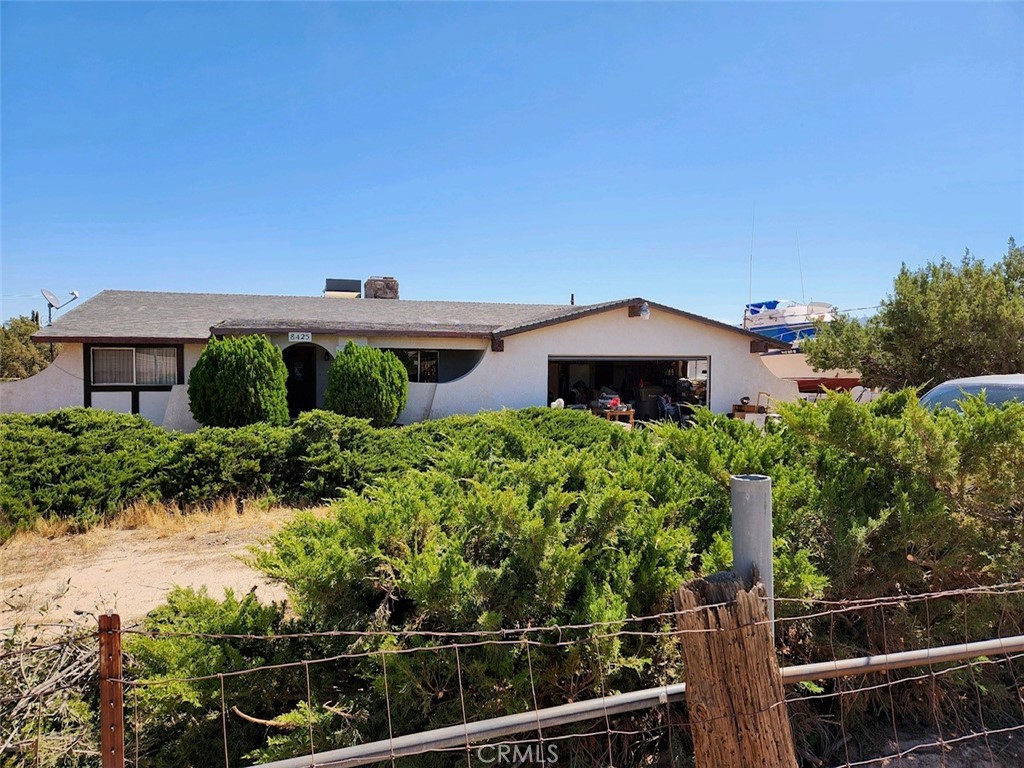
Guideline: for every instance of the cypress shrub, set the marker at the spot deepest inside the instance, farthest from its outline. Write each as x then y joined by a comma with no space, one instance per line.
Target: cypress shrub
367,383
239,381
213,463
79,464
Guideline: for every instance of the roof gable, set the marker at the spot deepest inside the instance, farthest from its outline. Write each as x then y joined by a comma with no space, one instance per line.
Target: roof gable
576,312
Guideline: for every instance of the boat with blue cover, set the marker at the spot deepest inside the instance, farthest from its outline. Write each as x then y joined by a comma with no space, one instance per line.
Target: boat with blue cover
786,320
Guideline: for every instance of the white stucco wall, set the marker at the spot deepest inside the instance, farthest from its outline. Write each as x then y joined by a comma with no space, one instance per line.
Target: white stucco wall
62,385
153,405
518,376
420,404
120,402
514,378
57,386
176,413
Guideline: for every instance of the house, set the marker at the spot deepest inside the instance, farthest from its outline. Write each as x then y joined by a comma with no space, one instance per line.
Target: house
132,351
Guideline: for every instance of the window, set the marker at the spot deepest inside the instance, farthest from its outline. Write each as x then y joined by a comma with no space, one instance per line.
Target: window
156,366
420,363
135,366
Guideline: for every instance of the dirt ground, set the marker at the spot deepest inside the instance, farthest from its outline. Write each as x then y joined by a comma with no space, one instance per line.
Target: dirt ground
130,571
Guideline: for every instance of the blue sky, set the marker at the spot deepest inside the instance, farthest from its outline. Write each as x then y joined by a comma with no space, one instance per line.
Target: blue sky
506,152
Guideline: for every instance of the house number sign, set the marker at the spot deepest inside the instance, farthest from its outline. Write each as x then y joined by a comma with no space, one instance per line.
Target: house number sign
300,336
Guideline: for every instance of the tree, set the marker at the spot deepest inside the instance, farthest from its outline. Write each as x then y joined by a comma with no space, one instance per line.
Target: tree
20,357
367,382
942,321
238,381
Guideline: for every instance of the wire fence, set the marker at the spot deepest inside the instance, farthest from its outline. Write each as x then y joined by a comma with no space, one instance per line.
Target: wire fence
934,676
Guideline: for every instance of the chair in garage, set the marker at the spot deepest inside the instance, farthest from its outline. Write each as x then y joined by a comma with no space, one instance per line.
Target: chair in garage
668,411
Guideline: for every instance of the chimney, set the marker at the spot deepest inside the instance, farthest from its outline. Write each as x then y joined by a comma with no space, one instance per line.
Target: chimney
380,288
336,288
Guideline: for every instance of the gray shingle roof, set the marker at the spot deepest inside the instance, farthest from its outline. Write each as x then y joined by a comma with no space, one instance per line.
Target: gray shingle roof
145,315
153,316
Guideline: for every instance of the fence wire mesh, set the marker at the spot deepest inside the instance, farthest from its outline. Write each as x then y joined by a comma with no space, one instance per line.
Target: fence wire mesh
254,699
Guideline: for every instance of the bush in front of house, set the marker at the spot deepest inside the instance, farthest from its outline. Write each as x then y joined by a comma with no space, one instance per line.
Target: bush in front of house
238,381
215,463
542,517
82,465
367,383
539,517
78,464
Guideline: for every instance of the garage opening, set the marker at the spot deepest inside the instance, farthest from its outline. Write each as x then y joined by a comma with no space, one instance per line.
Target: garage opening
640,381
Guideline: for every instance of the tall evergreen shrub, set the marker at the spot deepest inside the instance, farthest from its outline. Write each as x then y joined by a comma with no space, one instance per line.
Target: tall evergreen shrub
238,381
368,383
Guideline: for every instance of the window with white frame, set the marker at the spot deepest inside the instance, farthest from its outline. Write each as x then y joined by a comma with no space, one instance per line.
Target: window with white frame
135,366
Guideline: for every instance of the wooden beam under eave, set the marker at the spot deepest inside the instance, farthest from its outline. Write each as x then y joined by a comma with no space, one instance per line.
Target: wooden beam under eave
757,347
497,345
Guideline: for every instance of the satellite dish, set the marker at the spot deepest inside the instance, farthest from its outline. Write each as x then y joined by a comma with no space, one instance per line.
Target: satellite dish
52,303
51,299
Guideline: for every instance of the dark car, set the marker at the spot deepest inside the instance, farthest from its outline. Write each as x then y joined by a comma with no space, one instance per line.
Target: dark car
997,389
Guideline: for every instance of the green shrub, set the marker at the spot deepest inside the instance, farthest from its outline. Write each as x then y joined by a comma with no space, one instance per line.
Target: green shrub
237,381
79,464
176,728
215,462
541,517
538,517
552,539
329,453
368,383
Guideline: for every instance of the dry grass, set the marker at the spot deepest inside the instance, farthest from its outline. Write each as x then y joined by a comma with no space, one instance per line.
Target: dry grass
171,518
164,518
130,562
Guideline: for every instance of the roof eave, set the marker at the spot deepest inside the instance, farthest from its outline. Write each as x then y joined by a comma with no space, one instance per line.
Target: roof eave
80,339
419,333
571,313
612,305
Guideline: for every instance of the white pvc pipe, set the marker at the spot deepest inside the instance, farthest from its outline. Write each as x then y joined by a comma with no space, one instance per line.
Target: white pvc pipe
752,531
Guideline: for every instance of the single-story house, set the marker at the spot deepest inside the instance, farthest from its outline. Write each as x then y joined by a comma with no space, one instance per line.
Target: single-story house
132,351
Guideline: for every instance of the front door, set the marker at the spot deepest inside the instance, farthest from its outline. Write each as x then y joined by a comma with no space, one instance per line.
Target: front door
301,363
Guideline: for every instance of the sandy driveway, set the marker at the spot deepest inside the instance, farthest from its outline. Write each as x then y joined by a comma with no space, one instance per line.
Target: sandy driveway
131,571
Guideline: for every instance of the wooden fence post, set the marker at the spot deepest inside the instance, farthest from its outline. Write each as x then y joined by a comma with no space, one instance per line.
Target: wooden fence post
111,693
734,693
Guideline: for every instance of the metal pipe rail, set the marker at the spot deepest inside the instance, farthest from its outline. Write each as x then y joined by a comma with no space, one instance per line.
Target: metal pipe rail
464,735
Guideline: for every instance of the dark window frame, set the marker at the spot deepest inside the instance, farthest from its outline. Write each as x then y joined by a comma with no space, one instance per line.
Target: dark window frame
134,389
400,352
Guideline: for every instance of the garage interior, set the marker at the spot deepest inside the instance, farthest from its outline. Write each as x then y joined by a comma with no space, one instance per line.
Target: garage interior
640,381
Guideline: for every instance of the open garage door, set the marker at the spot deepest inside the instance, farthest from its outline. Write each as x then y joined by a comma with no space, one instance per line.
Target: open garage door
579,381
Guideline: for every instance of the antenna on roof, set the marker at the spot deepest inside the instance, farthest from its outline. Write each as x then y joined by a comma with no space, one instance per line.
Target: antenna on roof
750,276
52,303
800,266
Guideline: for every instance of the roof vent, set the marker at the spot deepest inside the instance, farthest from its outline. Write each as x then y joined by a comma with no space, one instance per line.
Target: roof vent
336,288
380,288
